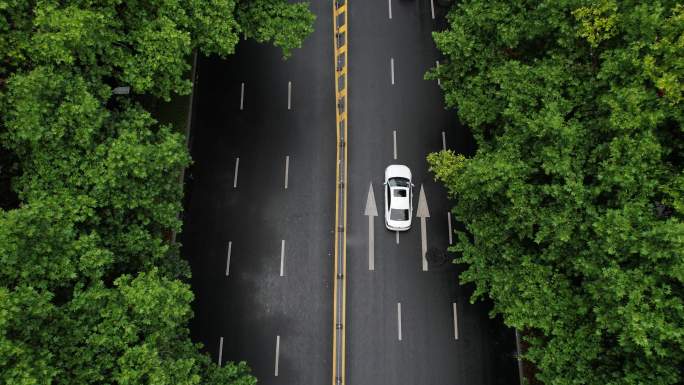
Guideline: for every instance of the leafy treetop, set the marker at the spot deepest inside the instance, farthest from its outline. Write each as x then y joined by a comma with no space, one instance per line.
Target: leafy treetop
574,201
91,288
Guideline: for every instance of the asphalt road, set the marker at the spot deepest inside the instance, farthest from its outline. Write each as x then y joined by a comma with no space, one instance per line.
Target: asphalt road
410,109
261,253
254,304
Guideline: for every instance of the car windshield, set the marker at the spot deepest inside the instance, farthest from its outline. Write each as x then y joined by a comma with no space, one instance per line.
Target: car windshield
398,182
399,215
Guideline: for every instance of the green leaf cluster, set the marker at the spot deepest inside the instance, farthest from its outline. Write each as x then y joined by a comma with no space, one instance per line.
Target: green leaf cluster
92,288
284,24
143,44
573,204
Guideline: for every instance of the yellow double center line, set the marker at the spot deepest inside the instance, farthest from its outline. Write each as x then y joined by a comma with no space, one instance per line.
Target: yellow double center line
340,11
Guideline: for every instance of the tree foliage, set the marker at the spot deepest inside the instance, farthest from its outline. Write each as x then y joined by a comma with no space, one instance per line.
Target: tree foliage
143,44
276,21
574,201
92,290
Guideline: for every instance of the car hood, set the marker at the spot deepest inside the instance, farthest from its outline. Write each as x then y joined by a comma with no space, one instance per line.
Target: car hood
397,170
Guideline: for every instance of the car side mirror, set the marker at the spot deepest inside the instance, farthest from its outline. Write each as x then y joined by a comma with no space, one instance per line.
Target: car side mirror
413,185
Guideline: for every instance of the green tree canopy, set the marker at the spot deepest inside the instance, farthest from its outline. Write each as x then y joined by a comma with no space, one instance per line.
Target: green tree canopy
143,44
573,203
92,289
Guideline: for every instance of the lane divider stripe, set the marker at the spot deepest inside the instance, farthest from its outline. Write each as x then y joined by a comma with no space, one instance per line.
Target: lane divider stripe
340,44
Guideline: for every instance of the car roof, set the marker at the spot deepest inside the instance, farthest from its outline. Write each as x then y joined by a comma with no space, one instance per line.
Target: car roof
399,202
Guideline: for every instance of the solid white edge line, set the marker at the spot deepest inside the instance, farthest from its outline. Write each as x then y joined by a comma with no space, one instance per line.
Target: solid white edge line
439,82
455,322
399,321
394,140
443,141
287,169
230,247
389,3
451,233
242,96
392,69
220,355
432,8
397,237
237,165
282,258
289,95
277,354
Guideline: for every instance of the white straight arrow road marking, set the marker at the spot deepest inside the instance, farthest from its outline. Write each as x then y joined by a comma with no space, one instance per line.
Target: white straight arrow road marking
394,139
220,356
277,354
287,169
289,95
399,321
282,258
237,165
455,322
230,247
371,211
242,96
443,141
450,231
392,69
423,212
397,237
423,244
432,8
389,3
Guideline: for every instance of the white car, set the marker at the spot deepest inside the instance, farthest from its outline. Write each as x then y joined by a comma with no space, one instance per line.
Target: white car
398,198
